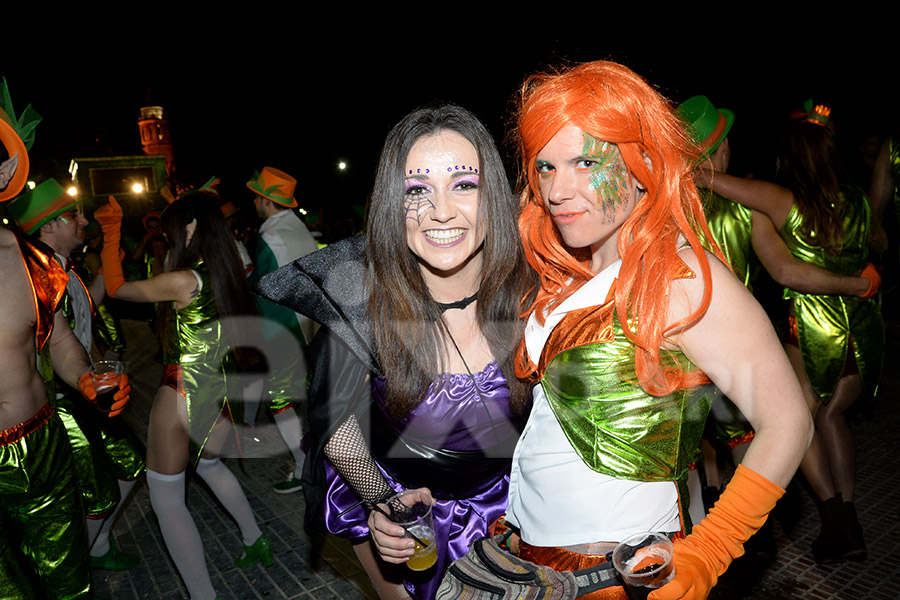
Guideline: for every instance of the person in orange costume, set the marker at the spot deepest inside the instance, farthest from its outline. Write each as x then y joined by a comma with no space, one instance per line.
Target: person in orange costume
632,318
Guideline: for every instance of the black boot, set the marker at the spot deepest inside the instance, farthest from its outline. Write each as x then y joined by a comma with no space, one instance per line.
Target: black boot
856,545
831,544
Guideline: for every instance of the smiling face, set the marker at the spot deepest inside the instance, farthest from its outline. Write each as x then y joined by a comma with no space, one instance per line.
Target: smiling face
441,204
588,190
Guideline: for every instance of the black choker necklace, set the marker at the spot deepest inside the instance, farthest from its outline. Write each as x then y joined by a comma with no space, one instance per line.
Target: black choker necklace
460,304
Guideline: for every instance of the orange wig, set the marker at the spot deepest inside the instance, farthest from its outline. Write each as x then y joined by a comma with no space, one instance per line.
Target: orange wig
613,104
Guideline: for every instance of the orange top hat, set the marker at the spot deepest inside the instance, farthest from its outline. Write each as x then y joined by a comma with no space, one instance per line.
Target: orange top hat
16,135
228,208
275,185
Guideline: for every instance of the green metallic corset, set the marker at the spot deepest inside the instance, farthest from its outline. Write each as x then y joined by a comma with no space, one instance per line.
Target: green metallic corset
729,224
194,341
826,324
616,427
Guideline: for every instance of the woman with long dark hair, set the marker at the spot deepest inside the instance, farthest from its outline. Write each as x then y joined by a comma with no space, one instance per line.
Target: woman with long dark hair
414,384
836,343
205,294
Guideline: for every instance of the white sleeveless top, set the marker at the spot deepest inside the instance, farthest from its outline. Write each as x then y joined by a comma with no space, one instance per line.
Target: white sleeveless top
554,498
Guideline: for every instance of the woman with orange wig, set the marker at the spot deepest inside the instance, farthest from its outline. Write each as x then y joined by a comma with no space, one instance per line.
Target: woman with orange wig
632,321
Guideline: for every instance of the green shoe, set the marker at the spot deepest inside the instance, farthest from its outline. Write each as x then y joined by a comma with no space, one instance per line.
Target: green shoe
114,559
259,551
289,486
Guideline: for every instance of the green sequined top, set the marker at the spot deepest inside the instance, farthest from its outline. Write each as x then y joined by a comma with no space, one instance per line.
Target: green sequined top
826,324
617,428
729,224
194,341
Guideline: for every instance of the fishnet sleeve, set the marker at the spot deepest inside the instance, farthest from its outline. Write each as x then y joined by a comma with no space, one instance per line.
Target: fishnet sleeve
349,454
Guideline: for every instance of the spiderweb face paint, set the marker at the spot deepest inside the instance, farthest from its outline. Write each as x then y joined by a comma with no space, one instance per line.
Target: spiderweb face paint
608,174
418,199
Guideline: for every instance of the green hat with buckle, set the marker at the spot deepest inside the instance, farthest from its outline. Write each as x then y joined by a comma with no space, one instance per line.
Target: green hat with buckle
41,205
275,185
707,125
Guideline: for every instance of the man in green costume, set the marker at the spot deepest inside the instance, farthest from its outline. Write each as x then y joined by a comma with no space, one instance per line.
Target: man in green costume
108,455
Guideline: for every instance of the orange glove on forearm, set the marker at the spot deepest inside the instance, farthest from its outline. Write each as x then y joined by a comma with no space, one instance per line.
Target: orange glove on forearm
871,273
705,554
110,219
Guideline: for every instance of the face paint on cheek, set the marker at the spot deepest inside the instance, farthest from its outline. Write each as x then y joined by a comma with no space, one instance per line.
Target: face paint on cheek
418,200
609,175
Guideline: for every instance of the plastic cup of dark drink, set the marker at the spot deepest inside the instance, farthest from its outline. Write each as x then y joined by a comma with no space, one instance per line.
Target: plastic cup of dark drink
644,563
106,375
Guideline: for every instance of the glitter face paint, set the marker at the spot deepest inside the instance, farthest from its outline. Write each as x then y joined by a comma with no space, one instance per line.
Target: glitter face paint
608,174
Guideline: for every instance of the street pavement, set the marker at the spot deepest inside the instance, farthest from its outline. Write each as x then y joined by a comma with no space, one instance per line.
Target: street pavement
325,568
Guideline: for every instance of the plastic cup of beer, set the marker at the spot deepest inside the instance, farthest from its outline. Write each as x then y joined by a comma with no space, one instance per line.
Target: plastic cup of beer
644,563
106,375
411,510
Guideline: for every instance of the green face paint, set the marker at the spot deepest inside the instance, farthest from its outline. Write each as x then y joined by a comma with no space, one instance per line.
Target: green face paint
609,175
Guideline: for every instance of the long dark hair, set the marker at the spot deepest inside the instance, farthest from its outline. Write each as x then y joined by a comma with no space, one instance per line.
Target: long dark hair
409,331
808,164
212,241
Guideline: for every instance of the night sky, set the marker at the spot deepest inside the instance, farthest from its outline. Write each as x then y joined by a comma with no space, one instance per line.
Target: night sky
236,103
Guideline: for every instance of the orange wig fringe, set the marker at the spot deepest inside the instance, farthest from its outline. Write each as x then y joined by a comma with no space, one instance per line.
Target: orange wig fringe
612,103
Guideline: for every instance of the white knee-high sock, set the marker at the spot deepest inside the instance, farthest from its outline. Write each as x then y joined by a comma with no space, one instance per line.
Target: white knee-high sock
288,423
101,540
225,486
180,533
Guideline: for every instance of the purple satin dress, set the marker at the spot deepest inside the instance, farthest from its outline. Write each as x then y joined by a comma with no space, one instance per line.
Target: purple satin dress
452,418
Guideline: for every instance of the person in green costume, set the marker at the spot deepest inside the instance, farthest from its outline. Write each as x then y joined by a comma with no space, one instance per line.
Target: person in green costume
206,294
108,455
632,320
745,247
837,341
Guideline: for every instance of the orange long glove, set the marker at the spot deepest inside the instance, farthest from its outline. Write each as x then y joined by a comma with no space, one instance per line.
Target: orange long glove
705,554
120,398
110,219
874,277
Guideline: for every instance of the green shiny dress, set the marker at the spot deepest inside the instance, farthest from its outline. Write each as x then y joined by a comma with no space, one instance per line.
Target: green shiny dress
827,324
194,342
587,373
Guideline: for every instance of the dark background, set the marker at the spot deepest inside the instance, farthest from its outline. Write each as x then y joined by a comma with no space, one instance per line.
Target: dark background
301,94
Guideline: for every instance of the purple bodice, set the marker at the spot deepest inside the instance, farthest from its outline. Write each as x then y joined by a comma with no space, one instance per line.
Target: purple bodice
452,417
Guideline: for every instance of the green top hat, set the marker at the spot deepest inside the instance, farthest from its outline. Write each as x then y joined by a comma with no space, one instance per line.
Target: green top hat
275,185
707,125
40,205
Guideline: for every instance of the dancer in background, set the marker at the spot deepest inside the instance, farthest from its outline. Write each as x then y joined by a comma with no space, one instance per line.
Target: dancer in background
191,416
836,343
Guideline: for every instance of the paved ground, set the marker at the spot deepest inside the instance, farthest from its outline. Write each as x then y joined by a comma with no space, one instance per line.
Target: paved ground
325,568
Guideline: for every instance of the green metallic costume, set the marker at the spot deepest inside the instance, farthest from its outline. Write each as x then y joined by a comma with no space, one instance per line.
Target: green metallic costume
194,342
42,529
729,224
104,450
107,327
617,428
826,324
